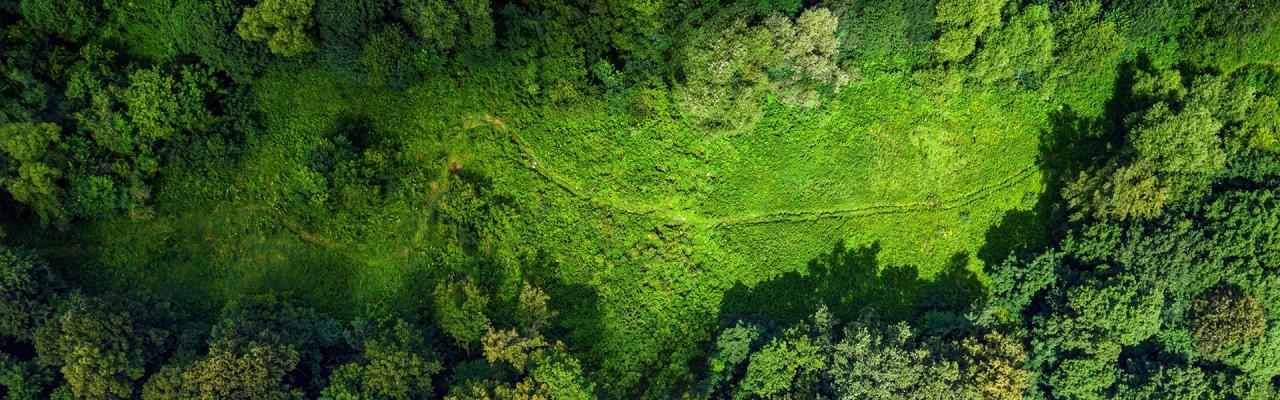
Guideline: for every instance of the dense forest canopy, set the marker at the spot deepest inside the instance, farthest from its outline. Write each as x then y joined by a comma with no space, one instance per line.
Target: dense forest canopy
573,199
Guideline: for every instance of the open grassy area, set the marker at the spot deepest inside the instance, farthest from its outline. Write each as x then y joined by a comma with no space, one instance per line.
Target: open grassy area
665,219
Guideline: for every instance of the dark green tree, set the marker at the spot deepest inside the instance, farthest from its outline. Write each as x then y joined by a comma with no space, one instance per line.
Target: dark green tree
27,293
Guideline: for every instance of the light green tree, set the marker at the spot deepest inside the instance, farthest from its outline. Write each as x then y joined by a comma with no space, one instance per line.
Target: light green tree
460,309
283,24
33,174
398,364
961,23
233,370
101,353
809,50
725,75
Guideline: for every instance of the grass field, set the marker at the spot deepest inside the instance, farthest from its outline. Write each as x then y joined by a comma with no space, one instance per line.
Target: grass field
639,224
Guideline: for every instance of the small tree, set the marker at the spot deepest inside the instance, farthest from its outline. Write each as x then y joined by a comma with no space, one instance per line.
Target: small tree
234,369
31,163
1224,316
101,352
809,52
26,293
283,24
994,362
398,364
460,307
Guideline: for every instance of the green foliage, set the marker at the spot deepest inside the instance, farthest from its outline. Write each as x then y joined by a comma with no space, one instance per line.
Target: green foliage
961,23
994,363
775,369
1022,49
208,30
232,370
70,20
31,161
283,24
1176,148
656,168
809,50
102,353
446,25
724,75
22,380
1087,48
398,364
1223,317
460,311
889,363
880,34
27,293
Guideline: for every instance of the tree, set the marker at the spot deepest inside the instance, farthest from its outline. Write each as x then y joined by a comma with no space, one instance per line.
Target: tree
69,19
269,321
27,293
994,363
1174,149
1087,49
532,312
446,25
397,364
460,308
283,24
31,164
783,367
102,353
23,380
209,32
888,363
1261,129
233,369
1021,49
962,23
1119,311
159,106
542,371
1223,317
809,49
724,75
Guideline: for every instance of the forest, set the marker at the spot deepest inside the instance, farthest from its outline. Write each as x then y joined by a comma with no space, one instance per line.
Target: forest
639,199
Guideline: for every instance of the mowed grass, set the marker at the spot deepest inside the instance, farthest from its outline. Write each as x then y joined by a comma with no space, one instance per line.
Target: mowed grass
653,219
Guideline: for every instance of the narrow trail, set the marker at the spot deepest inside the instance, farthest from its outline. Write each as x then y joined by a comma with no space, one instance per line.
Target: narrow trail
533,163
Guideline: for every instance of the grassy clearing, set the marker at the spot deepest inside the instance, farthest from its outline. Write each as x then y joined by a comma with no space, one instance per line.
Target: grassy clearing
640,223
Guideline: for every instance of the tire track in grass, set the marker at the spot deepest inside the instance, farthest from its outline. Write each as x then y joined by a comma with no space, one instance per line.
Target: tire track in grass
533,163
855,211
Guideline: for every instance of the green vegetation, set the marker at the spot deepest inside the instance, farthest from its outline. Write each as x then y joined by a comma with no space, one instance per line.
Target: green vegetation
371,199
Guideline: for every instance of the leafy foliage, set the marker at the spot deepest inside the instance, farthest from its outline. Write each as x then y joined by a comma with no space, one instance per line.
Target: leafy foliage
1224,317
283,24
639,199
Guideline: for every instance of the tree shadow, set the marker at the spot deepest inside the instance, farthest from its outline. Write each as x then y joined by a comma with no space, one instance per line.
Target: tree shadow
850,281
578,316
1073,144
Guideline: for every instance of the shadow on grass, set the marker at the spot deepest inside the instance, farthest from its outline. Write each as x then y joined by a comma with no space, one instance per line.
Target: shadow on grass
851,280
1072,145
